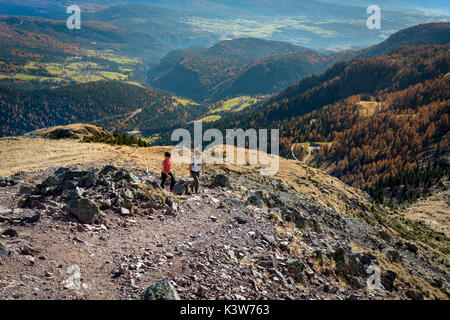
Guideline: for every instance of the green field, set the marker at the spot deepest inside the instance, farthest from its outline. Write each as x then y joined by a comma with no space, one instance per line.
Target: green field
153,139
135,83
77,72
235,104
185,102
212,118
109,55
113,75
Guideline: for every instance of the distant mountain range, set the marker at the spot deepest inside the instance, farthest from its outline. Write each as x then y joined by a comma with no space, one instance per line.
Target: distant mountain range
167,25
229,68
196,73
251,66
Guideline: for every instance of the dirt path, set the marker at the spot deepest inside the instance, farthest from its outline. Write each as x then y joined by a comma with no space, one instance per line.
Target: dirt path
309,154
132,115
129,115
208,248
151,247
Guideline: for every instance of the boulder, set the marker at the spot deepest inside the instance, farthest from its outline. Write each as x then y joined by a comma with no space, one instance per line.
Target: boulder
107,170
127,194
106,204
130,177
119,175
393,255
5,251
68,185
84,210
180,189
240,220
269,239
72,174
255,200
222,180
125,211
232,203
366,259
90,180
128,205
413,295
61,170
161,290
25,189
411,246
10,233
347,263
295,267
387,279
50,182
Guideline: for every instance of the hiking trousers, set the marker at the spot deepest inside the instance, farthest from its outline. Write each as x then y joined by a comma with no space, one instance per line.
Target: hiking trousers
164,178
196,183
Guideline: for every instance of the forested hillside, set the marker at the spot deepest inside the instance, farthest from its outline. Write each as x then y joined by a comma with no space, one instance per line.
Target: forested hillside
197,75
406,125
111,104
272,75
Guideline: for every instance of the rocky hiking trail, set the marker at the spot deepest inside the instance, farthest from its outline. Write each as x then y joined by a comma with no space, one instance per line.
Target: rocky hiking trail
122,256
242,237
84,221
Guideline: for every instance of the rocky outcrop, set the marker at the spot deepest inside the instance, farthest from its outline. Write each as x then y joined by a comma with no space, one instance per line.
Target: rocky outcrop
5,251
89,194
161,290
222,180
84,210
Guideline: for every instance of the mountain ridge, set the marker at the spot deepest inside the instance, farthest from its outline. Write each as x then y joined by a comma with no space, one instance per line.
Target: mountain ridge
268,75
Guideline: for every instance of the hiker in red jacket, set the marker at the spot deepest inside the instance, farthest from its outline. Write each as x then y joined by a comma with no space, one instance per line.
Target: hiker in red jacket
166,172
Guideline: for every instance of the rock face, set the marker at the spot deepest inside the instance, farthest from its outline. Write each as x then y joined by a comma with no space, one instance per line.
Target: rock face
161,290
84,210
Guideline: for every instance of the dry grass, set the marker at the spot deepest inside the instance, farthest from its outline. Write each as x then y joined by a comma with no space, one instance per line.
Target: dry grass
368,108
29,154
434,211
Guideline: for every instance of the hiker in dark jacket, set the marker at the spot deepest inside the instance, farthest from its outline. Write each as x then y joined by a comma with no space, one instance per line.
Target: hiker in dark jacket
166,172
